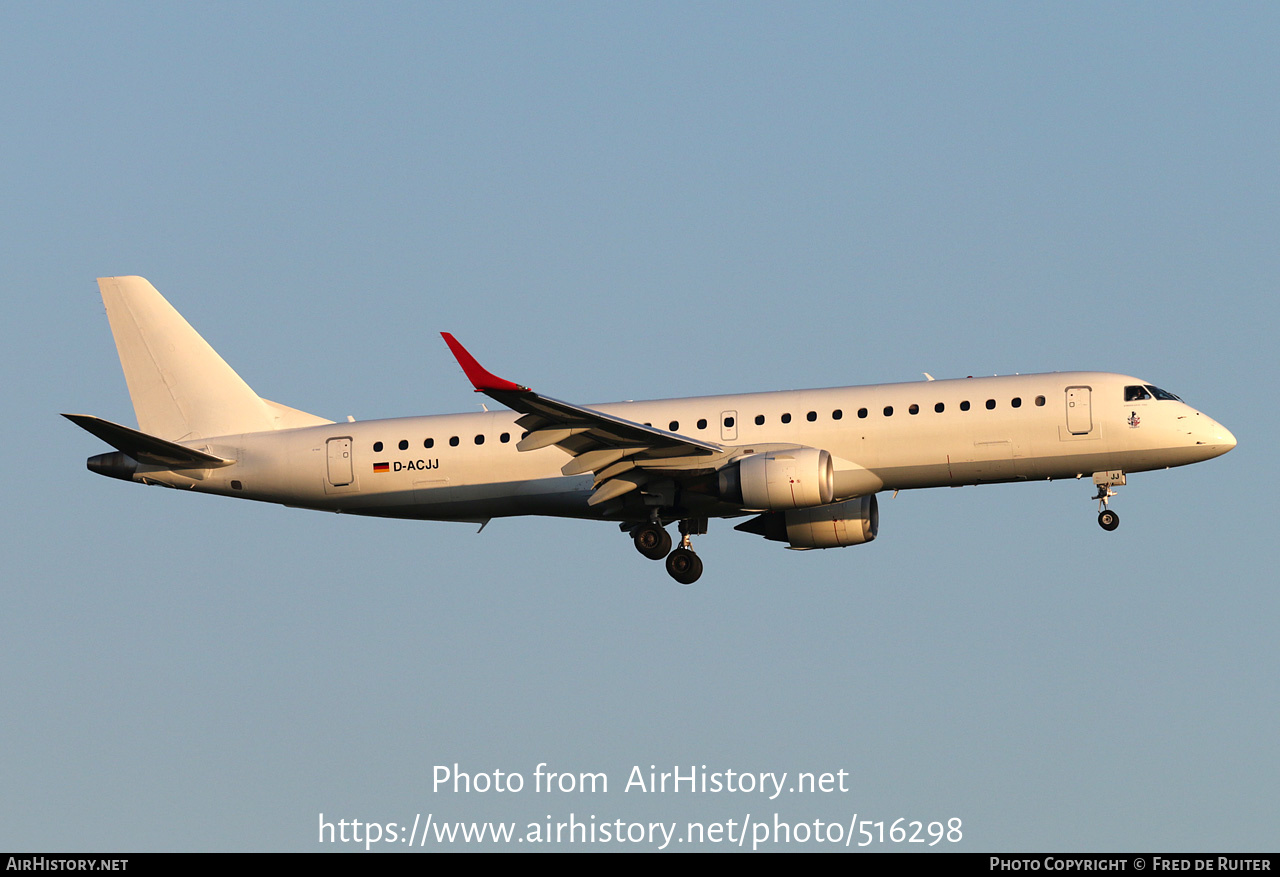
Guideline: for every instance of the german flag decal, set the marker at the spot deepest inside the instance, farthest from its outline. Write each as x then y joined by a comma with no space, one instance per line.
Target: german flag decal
381,467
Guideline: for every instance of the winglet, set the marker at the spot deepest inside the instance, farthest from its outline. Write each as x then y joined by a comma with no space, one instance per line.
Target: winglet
482,379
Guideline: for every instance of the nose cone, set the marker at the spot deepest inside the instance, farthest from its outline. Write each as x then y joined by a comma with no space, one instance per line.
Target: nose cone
1215,438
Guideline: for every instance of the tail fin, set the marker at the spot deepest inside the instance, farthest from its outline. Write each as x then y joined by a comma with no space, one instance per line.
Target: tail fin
180,387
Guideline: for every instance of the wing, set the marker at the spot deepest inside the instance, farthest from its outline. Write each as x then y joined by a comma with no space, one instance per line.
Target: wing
623,455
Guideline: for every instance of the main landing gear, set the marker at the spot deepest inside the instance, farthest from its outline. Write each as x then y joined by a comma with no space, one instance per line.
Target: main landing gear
1107,519
683,565
654,542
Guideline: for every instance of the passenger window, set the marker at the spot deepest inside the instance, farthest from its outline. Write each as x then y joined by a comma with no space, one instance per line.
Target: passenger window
429,443
479,439
674,426
837,414
728,423
759,420
404,444
964,406
505,437
1039,401
811,416
786,418
377,447
1016,402
862,413
991,404
702,424
888,411
453,441
914,409
939,408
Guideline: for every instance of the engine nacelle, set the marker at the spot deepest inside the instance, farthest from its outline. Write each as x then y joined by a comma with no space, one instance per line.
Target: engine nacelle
777,480
830,526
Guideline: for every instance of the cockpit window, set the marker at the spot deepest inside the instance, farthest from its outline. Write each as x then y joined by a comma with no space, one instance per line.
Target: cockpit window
1136,394
1163,394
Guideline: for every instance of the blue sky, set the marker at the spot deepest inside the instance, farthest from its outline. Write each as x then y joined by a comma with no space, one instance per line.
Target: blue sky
611,202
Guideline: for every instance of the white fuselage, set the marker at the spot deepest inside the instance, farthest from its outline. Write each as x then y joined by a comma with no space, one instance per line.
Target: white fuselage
882,437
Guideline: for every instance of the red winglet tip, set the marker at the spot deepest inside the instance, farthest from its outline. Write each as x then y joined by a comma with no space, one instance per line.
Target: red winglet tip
481,378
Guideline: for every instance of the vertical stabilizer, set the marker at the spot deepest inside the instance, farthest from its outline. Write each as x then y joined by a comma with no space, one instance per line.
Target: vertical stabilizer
180,387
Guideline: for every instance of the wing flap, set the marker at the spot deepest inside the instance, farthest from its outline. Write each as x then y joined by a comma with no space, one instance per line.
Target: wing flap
545,438
617,487
591,461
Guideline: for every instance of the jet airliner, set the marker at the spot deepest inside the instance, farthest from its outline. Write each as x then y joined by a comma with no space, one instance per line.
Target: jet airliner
803,467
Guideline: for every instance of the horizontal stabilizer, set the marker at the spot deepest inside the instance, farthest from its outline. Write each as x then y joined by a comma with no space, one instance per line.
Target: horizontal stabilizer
146,448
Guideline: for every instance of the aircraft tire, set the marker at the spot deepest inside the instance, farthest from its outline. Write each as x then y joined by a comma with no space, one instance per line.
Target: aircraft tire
684,566
652,541
1108,520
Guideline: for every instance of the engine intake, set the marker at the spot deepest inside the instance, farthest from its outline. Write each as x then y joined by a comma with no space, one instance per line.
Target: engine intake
777,480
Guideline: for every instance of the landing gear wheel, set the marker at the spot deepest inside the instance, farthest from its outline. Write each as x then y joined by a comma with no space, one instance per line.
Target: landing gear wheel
652,541
684,566
1108,520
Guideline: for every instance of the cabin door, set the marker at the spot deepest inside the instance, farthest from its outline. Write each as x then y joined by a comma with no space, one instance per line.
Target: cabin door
729,426
1079,412
340,472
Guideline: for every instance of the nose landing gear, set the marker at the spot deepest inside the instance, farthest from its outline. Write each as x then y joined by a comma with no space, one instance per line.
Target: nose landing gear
1107,519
